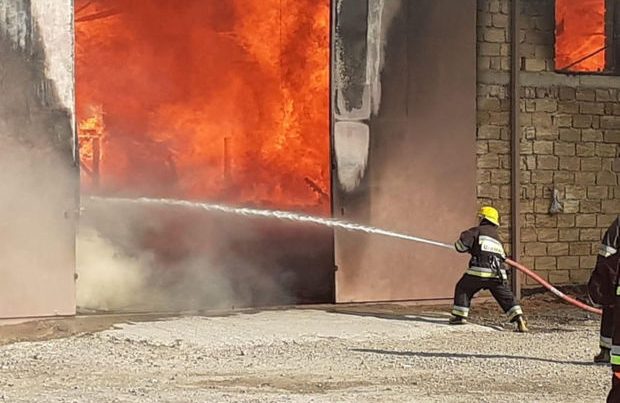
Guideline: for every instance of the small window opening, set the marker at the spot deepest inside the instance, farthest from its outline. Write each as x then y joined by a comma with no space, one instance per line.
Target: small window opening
584,36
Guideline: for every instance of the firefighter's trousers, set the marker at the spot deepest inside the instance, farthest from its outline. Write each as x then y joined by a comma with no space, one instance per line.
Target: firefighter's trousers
614,393
469,285
607,327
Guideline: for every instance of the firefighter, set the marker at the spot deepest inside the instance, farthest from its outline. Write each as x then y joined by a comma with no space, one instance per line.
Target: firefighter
486,270
601,287
611,266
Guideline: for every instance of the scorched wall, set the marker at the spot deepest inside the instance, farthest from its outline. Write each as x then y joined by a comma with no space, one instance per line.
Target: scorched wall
37,170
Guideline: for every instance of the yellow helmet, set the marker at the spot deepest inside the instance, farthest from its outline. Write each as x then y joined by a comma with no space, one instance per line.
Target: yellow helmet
490,214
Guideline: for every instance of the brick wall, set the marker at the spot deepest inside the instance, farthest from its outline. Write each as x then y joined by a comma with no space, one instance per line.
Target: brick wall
569,142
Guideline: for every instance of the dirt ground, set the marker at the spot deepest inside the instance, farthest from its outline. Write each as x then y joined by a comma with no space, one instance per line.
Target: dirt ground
388,353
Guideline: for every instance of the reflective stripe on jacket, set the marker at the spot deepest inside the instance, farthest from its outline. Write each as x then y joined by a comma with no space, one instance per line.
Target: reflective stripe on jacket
615,348
611,239
484,272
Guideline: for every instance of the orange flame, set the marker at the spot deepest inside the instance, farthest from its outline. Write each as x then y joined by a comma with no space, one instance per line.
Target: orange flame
580,35
91,132
217,100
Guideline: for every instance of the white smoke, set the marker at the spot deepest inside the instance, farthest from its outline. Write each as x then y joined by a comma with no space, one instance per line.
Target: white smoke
108,279
128,260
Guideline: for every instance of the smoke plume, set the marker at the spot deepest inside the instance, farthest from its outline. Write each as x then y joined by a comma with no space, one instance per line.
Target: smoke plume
141,258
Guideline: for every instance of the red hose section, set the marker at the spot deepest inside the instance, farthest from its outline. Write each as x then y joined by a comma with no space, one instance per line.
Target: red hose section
551,288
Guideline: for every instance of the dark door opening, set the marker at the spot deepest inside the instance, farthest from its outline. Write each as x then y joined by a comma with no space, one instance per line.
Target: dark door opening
221,101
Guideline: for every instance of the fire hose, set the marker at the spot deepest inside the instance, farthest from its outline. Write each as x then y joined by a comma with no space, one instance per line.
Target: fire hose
551,288
542,282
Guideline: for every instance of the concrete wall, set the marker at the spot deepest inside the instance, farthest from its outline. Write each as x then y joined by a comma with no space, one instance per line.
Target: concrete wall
569,142
38,173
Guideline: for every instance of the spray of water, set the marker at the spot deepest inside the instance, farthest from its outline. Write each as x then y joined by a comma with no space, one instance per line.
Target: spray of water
328,222
280,215
332,223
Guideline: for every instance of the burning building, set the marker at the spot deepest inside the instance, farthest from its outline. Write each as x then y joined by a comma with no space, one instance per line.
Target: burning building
392,113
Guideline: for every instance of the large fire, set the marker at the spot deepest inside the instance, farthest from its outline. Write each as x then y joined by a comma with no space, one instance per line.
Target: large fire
223,100
580,35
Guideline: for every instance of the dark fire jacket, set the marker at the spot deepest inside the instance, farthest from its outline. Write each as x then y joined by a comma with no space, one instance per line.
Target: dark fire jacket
486,250
615,347
601,285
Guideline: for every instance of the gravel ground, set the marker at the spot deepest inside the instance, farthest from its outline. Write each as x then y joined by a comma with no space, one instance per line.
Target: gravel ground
313,355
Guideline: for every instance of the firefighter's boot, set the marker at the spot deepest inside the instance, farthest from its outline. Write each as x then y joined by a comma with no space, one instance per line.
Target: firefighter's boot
521,324
603,357
457,320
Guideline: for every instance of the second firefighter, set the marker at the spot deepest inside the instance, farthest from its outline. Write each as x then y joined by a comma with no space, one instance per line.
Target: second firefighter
601,286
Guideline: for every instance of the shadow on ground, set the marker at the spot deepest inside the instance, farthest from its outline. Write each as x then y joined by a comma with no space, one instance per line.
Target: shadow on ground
437,319
431,354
